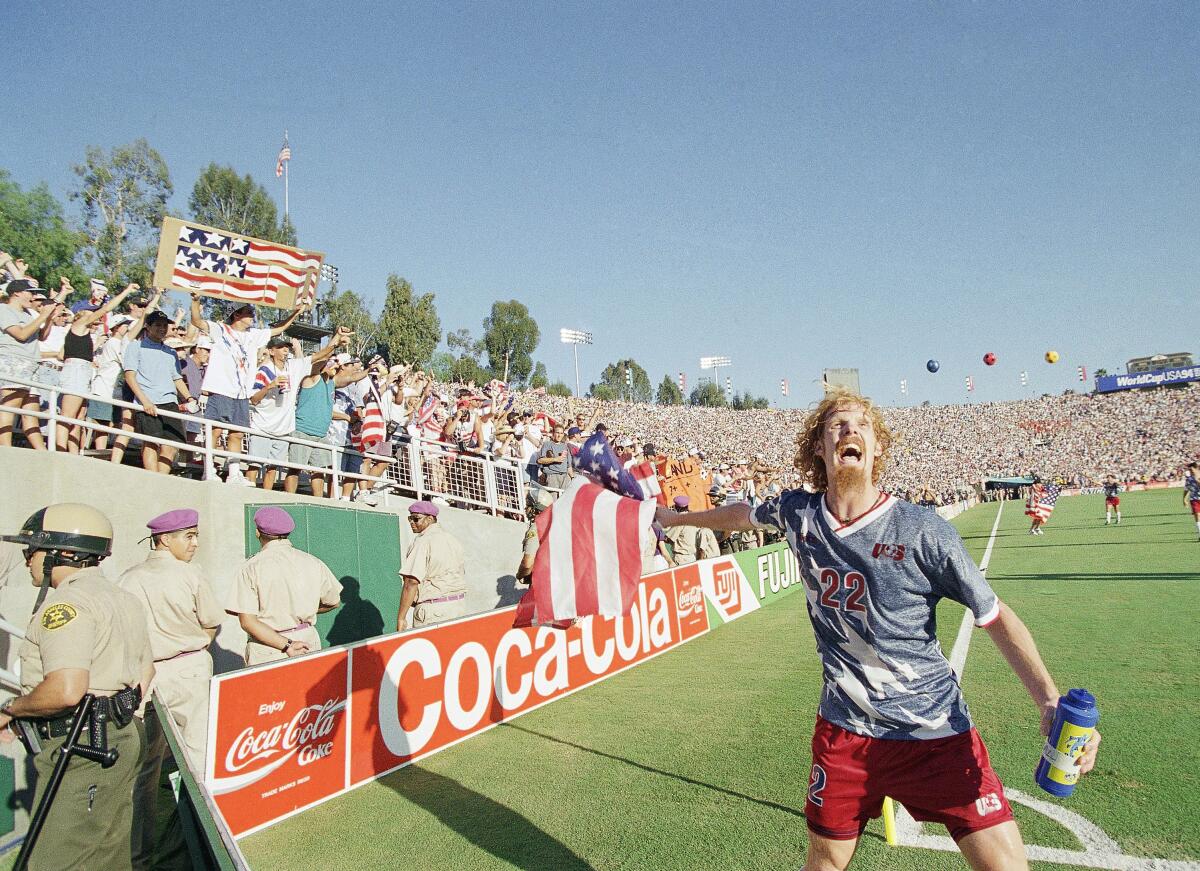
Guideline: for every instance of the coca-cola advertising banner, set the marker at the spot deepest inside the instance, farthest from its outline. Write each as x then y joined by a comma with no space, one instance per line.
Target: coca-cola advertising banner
287,735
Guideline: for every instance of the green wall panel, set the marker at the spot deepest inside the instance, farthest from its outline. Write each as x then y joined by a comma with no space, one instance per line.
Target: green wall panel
362,549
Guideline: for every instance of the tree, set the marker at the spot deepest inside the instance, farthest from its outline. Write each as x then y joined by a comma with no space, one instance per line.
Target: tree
540,377
409,327
441,366
510,336
286,235
465,366
708,394
614,378
603,392
559,389
124,196
222,198
33,229
1100,373
347,309
747,400
669,392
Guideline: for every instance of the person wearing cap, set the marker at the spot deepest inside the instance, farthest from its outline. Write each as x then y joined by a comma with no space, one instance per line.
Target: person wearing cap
273,403
537,500
434,571
689,543
87,635
182,618
575,443
624,451
126,418
97,294
79,367
22,324
278,593
229,378
155,377
314,414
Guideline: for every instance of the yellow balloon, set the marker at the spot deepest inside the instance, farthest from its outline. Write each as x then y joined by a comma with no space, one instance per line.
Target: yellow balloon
1052,356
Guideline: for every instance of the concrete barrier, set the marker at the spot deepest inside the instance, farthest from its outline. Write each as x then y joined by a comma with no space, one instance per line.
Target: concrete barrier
129,497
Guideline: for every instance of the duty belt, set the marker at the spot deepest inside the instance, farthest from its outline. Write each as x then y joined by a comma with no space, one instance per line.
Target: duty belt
117,709
454,598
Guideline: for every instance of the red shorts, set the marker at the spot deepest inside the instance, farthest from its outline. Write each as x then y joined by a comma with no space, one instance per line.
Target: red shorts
943,780
1112,500
1195,506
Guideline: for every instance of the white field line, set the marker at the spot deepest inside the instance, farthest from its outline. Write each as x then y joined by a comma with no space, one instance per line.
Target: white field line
958,655
1099,850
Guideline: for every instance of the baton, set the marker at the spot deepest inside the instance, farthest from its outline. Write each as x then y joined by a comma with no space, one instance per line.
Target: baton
70,747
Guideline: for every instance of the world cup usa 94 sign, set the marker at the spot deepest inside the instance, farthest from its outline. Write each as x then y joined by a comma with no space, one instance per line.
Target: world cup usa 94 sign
194,258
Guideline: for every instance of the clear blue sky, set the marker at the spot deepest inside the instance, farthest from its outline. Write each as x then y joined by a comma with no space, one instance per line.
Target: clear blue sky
794,185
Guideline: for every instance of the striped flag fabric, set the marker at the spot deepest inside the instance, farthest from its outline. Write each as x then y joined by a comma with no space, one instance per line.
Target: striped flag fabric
195,258
1082,370
1040,503
970,383
285,156
647,480
589,559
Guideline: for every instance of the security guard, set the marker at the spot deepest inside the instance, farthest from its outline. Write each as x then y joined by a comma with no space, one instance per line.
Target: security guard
279,591
183,618
87,636
534,505
690,543
434,571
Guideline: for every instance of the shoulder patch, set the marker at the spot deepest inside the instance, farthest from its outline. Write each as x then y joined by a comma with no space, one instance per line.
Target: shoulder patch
58,616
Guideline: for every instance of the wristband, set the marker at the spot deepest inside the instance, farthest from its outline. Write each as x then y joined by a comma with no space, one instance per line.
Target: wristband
285,647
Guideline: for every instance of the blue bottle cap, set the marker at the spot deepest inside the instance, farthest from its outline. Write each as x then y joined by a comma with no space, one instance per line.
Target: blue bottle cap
1081,698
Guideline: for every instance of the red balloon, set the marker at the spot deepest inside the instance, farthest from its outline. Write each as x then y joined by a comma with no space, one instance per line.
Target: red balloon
989,358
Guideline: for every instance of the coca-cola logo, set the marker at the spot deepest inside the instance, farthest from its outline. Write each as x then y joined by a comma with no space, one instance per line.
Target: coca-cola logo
691,599
300,735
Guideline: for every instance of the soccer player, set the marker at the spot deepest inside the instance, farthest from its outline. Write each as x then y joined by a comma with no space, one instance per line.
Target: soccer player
1191,491
1112,502
892,720
1040,504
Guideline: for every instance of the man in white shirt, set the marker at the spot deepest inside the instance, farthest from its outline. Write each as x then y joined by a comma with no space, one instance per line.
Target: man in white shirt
273,404
232,365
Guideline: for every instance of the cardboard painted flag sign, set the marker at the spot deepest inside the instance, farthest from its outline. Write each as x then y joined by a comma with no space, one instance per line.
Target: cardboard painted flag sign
195,258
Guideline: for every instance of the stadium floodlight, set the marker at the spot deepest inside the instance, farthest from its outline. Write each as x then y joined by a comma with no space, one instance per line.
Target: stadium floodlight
329,273
714,362
575,338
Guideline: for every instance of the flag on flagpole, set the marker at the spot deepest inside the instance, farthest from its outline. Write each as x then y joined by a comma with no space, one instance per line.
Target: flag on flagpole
590,541
285,155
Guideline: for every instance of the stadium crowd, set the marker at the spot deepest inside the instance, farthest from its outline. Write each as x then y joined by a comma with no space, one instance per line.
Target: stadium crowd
297,405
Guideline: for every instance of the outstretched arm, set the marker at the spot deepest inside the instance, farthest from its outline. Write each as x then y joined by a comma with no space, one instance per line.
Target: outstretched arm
731,518
198,320
282,325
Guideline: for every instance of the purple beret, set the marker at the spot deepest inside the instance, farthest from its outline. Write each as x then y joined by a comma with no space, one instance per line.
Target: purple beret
423,508
681,501
173,521
273,521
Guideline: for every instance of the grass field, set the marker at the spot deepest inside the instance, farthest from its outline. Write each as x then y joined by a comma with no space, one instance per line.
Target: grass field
699,759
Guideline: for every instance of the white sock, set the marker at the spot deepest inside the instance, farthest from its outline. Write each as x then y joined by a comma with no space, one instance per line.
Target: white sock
1118,517
1107,517
1198,525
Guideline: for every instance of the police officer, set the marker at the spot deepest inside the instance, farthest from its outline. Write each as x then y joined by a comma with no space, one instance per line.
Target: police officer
86,636
279,591
690,543
534,505
434,571
183,618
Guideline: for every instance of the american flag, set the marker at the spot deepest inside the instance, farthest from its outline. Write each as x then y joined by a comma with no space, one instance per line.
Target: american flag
285,154
238,267
589,559
1040,503
647,479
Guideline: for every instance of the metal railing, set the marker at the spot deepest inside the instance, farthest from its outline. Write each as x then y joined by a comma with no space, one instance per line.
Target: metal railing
418,467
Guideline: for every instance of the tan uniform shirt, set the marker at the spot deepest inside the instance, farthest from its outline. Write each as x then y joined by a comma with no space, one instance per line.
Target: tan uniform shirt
691,543
87,622
179,603
436,560
283,587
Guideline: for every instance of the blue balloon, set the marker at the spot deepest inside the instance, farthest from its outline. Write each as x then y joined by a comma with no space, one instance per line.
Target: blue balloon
933,365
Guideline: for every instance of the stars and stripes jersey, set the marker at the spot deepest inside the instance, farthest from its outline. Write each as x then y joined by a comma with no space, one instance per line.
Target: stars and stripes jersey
1193,488
1111,490
872,587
